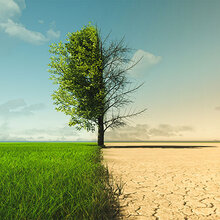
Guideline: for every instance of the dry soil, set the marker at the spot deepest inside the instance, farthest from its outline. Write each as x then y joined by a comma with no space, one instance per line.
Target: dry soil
167,181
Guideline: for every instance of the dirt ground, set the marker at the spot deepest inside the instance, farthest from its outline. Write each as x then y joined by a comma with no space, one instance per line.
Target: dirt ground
167,180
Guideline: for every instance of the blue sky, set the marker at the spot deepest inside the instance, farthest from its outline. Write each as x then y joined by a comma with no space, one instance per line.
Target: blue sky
180,42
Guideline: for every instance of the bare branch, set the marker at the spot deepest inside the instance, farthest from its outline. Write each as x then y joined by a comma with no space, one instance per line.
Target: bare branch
124,93
119,120
123,70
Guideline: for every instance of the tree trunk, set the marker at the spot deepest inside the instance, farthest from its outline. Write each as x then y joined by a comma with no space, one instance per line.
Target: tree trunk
100,132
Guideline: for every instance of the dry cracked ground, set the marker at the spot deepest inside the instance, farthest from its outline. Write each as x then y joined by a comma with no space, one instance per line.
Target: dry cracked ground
167,182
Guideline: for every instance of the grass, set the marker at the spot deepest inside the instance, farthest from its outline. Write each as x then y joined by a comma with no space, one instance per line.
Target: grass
54,181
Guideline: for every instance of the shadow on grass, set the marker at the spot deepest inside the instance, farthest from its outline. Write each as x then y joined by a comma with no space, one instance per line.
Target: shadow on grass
162,146
115,189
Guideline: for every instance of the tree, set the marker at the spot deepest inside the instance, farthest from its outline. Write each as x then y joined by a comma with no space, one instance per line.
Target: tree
92,83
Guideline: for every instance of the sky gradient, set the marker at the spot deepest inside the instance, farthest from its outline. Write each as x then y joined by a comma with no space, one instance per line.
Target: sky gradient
180,45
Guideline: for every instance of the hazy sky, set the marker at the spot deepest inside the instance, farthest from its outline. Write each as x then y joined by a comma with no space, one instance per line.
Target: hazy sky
180,42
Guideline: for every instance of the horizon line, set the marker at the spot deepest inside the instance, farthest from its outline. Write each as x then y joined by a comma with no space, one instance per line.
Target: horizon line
163,141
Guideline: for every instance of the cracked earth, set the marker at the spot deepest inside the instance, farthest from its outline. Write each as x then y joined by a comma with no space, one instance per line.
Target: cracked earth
167,183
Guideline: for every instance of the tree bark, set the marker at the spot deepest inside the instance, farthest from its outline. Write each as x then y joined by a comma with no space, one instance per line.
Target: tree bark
100,132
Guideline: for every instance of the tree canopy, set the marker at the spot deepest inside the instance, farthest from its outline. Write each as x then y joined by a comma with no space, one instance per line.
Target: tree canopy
92,81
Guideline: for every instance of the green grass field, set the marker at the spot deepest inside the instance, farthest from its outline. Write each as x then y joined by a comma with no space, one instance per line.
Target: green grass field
53,181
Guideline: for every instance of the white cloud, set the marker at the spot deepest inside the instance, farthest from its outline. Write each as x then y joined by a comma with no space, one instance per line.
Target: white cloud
165,130
5,134
18,107
9,9
128,133
21,4
66,133
18,30
51,34
147,61
58,132
143,132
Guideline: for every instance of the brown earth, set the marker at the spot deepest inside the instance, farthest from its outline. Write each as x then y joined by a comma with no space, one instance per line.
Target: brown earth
167,180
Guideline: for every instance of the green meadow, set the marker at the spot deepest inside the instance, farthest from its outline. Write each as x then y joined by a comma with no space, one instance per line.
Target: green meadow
54,181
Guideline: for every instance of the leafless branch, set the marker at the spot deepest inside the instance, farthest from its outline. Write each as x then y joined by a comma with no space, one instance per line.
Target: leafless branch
118,120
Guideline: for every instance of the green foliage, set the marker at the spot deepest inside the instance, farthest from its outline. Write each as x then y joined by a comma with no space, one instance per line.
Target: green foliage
53,181
92,78
77,68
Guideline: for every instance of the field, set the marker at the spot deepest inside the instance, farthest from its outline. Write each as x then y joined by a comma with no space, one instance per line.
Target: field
53,181
167,180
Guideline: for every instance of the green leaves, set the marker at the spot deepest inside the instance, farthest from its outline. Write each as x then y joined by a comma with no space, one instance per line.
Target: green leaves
92,80
76,66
